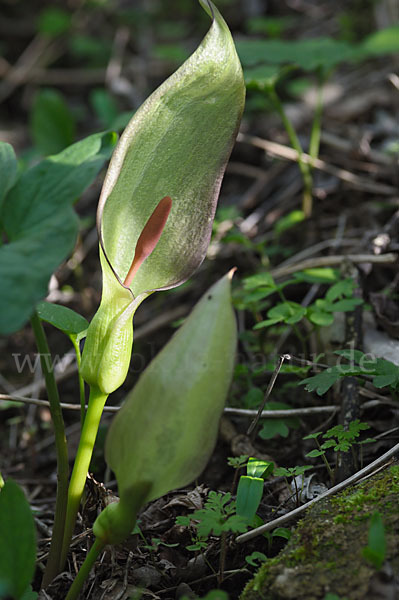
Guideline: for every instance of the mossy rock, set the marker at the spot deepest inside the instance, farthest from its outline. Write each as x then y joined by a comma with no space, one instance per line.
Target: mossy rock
324,554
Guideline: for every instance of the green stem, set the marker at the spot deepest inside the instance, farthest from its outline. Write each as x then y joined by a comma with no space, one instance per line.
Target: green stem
296,144
81,381
82,462
314,143
323,456
52,568
85,569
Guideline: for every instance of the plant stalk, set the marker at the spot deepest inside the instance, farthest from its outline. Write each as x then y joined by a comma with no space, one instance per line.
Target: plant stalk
61,448
81,381
85,569
82,462
296,144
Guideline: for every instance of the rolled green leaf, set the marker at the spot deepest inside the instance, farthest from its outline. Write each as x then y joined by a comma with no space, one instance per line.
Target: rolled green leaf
163,436
249,495
177,146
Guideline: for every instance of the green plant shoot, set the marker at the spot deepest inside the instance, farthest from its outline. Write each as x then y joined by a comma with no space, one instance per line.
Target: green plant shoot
155,217
176,146
177,403
166,430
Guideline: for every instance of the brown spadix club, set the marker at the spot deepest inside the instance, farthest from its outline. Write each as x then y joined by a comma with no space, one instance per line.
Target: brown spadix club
149,237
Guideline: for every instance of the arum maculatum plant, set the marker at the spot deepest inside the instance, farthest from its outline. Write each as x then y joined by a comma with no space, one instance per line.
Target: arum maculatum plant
154,222
162,437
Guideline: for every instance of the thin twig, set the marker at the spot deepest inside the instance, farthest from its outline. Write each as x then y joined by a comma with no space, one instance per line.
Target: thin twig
237,412
288,153
337,488
252,428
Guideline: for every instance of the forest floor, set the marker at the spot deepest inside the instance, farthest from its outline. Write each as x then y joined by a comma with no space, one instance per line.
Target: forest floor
349,243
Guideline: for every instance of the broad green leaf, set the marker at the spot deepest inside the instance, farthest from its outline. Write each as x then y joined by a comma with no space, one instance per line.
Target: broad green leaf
375,551
163,436
289,221
312,436
273,427
8,170
308,54
175,148
385,41
387,374
350,354
347,304
315,453
262,77
41,225
283,532
259,280
252,559
63,318
104,106
249,495
319,275
344,287
267,323
288,312
53,21
253,397
17,541
30,594
52,125
321,382
321,318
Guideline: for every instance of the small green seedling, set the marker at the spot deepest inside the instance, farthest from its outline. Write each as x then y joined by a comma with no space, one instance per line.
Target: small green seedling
375,551
282,532
256,558
293,472
339,439
339,298
218,518
384,372
238,462
250,487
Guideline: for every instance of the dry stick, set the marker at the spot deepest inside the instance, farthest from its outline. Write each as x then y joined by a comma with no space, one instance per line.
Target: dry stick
288,153
337,488
330,261
238,412
252,428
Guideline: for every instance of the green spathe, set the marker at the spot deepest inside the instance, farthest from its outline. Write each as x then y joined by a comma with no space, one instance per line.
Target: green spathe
177,144
163,436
